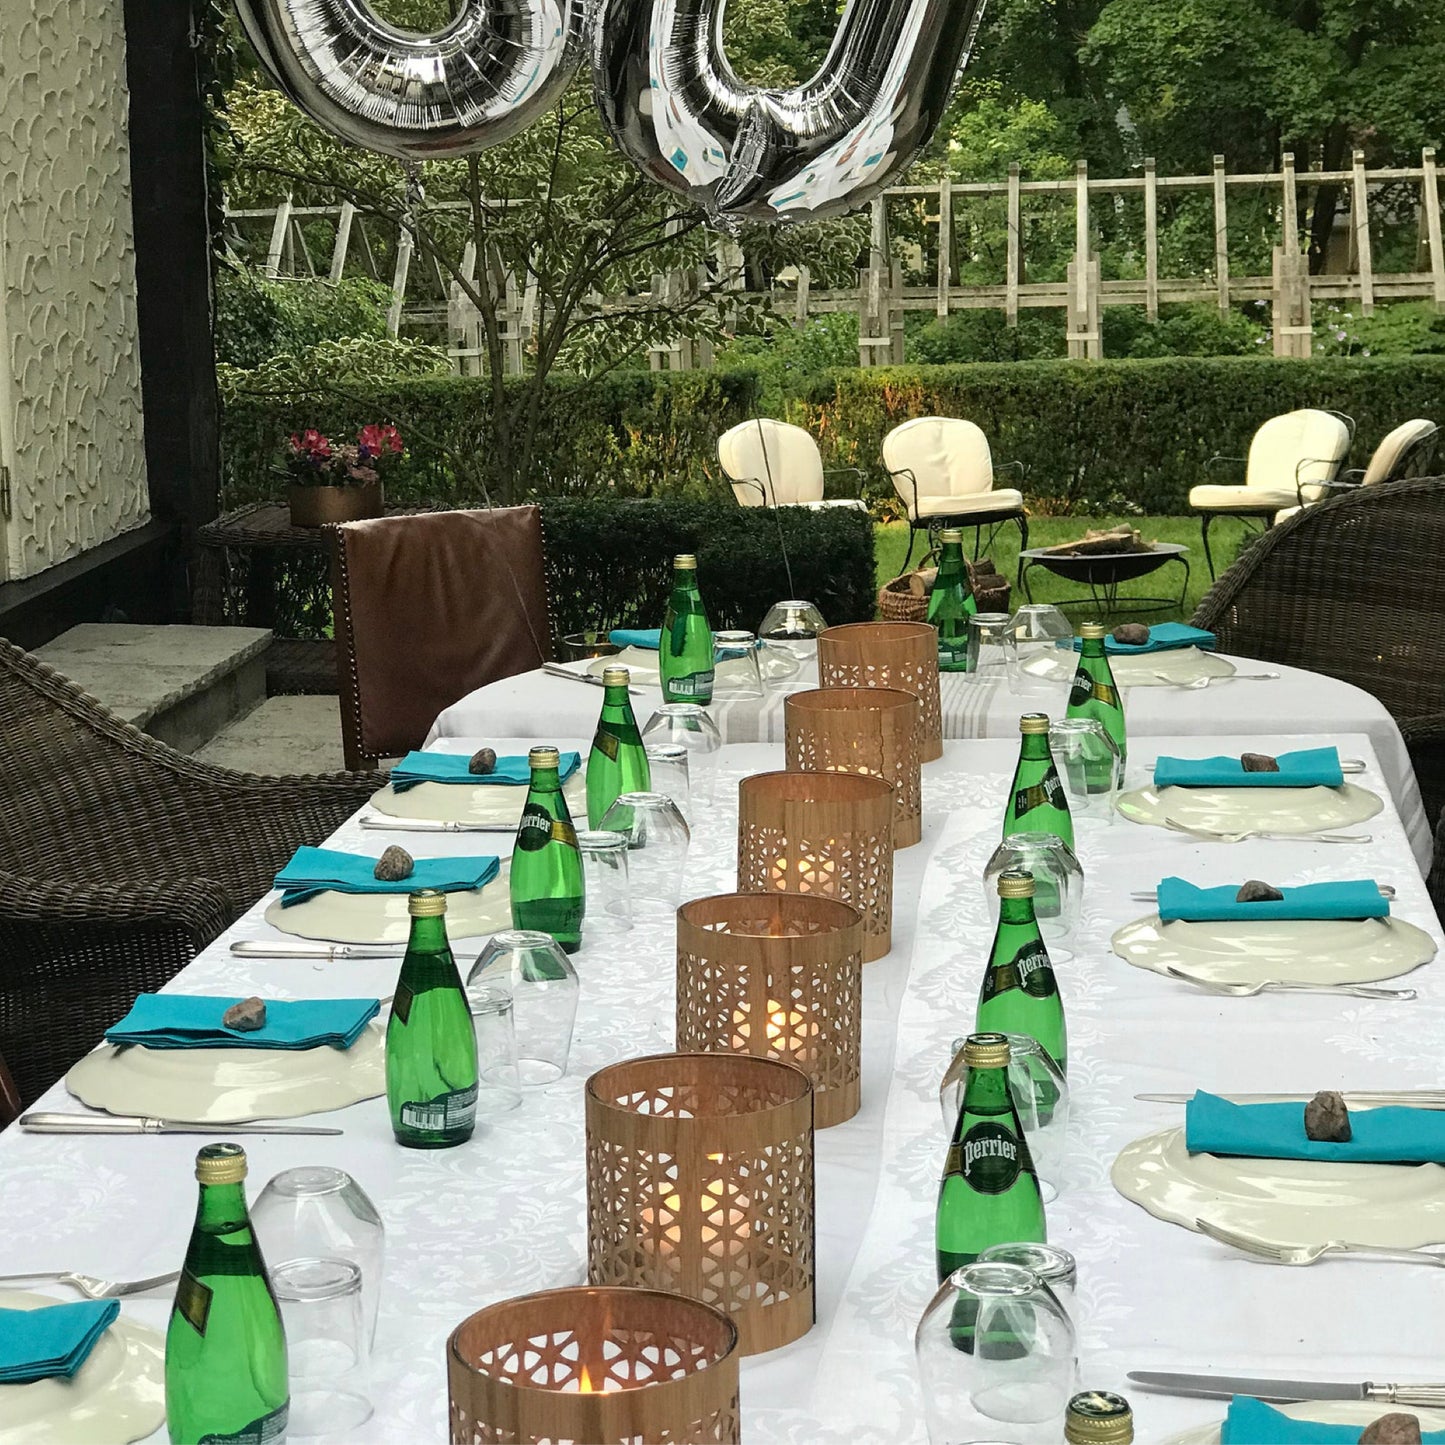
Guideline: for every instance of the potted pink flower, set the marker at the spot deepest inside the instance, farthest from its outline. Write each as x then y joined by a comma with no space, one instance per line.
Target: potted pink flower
339,483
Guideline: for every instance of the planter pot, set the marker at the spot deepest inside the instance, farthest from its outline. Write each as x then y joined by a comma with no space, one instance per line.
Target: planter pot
315,506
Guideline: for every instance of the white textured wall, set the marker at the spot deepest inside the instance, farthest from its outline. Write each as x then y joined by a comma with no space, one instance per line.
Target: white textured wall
71,429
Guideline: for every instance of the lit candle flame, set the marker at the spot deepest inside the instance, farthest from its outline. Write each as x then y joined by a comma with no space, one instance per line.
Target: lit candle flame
584,1385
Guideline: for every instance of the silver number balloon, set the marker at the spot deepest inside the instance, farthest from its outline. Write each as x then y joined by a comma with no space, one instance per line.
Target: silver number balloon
673,104
488,74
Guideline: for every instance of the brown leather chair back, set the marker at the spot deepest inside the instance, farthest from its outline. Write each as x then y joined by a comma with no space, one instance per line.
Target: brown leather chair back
9,1097
427,608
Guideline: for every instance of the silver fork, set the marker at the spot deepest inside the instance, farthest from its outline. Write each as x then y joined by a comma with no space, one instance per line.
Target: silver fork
1214,835
93,1288
1309,1253
1248,990
1195,683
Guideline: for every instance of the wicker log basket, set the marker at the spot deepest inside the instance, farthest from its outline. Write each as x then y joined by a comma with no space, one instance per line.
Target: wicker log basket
905,598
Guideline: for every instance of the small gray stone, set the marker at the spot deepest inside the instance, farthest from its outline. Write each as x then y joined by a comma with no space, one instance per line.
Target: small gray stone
1131,634
1327,1120
247,1016
483,761
394,865
1253,891
1396,1428
1258,763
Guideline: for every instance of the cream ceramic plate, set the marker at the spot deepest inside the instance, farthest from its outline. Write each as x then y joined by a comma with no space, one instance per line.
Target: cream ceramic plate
485,803
1323,1412
117,1395
382,917
231,1086
1271,810
1136,669
1286,1201
1336,950
641,662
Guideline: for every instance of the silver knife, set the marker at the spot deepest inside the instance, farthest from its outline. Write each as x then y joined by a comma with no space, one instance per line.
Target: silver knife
1224,1387
127,1124
1419,1098
435,825
554,669
306,948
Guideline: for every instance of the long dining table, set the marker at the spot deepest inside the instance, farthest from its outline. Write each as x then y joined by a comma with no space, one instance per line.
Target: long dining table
504,1214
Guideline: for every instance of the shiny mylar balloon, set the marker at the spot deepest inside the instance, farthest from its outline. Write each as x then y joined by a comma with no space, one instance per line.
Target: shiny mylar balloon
491,72
672,103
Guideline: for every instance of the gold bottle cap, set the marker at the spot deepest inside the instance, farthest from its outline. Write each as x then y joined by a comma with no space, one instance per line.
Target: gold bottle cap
221,1164
1034,722
1091,630
986,1051
426,903
544,757
1015,883
951,534
1099,1417
684,562
616,676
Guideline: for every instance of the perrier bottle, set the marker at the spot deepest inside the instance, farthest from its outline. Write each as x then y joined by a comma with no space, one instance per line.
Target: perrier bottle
1096,695
1020,994
618,761
431,1046
989,1194
226,1375
952,603
1037,802
686,651
546,879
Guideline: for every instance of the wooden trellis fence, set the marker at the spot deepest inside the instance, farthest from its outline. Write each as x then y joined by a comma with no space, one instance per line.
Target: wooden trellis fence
881,296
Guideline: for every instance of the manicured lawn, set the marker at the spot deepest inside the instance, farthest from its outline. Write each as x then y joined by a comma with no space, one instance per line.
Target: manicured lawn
891,542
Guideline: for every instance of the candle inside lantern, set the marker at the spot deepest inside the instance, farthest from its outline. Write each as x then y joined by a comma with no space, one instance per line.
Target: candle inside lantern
810,872
725,1235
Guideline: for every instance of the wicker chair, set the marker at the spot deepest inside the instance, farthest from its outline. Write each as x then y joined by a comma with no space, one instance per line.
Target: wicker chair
1351,587
9,1098
119,860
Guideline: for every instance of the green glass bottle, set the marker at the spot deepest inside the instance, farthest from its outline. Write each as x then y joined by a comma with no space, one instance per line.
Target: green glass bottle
431,1045
1037,802
546,878
686,652
989,1194
1096,695
1099,1417
1020,994
952,603
226,1374
618,761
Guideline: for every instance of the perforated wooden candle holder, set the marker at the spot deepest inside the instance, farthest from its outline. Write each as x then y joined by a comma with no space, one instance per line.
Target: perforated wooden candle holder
872,730
829,835
902,655
700,1182
779,976
594,1366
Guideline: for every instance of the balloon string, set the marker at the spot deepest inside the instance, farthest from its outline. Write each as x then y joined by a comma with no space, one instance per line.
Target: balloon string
772,497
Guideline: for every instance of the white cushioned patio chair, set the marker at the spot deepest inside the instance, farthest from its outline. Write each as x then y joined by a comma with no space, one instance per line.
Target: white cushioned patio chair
1407,451
775,464
943,472
1292,459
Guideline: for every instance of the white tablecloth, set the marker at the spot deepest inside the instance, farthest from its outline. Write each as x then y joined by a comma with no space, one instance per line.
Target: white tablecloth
504,1214
1295,703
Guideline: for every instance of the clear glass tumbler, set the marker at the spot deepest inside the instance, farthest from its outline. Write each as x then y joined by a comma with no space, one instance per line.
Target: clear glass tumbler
736,674
996,1358
657,842
327,1352
605,882
1089,764
1044,640
315,1211
1056,1267
544,988
691,725
498,1087
667,766
1058,885
992,652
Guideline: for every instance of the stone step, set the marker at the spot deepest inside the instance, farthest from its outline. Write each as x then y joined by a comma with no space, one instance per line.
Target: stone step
181,684
284,735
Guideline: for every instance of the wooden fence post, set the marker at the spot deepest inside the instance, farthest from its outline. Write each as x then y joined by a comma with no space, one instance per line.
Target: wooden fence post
1084,337
1360,205
1430,203
343,240
945,245
1221,237
1013,248
1151,240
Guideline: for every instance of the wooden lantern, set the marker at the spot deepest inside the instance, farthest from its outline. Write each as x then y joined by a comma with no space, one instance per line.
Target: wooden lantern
593,1366
700,1182
780,976
870,730
828,835
902,655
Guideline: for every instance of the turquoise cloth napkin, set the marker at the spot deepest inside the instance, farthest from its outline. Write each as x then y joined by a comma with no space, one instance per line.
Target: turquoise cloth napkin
1355,898
193,1021
1277,1131
511,771
648,637
1252,1422
1307,768
320,870
53,1340
1163,637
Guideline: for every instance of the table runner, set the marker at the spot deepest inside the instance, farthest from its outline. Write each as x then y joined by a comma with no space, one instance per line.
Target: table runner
504,1215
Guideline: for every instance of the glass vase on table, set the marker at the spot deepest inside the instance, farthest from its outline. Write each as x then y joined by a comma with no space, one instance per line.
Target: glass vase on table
546,877
689,725
1058,885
